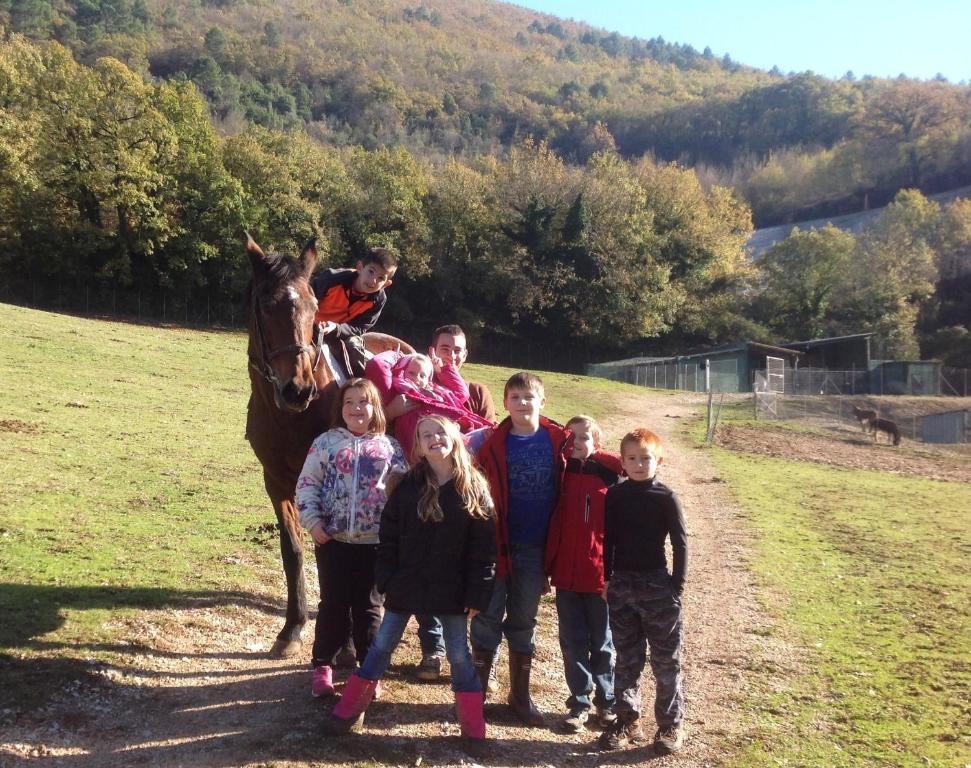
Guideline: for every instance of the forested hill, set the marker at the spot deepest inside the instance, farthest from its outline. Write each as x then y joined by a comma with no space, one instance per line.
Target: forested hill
476,77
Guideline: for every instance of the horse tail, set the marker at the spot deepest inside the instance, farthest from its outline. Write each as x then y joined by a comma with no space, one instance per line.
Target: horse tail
896,436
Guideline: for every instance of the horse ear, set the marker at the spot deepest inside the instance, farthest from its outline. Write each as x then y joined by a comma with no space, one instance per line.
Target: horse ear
308,258
256,255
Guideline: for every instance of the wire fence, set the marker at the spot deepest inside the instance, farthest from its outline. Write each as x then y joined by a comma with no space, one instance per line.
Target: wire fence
722,375
200,309
919,420
890,379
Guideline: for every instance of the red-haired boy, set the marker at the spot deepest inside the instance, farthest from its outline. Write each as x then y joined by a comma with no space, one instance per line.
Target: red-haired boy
643,597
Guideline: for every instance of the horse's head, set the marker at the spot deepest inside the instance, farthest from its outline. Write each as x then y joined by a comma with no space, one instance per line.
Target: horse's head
283,349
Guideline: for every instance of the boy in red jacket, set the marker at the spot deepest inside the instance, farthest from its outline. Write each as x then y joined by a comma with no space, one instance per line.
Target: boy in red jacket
523,460
574,562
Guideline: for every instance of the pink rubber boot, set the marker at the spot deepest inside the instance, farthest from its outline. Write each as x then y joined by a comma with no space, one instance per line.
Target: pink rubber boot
348,714
471,718
322,682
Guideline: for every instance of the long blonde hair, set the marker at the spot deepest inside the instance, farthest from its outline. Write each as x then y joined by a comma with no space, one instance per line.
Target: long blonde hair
471,486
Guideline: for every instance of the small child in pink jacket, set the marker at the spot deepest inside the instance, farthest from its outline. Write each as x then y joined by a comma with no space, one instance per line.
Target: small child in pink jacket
395,374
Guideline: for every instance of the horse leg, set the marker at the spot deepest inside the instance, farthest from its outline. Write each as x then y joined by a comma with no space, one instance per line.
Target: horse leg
288,641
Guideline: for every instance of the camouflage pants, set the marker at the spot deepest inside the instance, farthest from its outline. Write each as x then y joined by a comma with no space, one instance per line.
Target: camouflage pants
645,613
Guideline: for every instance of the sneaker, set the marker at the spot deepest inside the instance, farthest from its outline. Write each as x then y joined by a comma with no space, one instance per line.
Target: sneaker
430,668
621,734
322,682
576,719
668,740
606,716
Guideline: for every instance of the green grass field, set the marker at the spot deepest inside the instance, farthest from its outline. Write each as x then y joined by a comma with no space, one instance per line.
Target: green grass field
868,572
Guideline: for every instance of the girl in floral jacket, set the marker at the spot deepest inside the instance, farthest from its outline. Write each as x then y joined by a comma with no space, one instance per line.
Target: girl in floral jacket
340,495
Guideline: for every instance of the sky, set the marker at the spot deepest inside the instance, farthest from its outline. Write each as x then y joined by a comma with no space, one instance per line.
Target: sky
829,37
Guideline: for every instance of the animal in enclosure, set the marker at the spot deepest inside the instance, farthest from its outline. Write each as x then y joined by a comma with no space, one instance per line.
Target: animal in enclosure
886,426
292,400
864,415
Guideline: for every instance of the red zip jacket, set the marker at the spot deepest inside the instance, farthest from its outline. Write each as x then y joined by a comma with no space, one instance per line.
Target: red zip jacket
575,543
491,459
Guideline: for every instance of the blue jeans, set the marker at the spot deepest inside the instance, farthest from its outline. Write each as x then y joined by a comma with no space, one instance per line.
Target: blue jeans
455,631
515,601
588,651
430,635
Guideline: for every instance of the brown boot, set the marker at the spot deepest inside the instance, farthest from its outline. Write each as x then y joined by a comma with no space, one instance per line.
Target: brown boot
482,661
522,705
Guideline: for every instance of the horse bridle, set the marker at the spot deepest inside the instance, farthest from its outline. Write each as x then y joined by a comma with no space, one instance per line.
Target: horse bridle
262,366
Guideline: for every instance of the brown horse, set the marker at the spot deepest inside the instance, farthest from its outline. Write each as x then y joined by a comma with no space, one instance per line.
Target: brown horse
291,401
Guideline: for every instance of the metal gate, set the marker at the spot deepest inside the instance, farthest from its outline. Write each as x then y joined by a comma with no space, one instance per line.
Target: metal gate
775,369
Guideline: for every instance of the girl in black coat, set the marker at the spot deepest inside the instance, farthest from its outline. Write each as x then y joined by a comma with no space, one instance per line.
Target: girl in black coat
437,555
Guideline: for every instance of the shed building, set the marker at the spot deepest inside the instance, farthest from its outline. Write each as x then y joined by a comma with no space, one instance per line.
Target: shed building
837,353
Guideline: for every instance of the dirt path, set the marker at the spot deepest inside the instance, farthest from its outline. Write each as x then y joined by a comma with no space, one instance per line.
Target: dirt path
192,687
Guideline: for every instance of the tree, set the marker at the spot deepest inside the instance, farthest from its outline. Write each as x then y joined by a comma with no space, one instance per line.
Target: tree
281,177
373,198
951,311
271,35
203,202
799,278
891,274
701,237
909,121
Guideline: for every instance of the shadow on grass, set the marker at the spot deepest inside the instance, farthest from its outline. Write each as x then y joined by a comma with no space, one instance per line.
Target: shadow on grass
31,611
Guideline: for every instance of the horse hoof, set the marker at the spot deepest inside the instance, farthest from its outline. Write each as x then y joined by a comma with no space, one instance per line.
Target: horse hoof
284,649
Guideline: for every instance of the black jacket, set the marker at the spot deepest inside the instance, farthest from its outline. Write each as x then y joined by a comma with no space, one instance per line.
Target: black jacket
436,568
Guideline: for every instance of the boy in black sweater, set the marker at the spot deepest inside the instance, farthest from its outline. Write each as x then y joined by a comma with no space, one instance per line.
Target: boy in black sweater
644,599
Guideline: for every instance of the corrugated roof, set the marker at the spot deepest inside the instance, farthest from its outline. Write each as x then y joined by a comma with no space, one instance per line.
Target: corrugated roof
829,340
